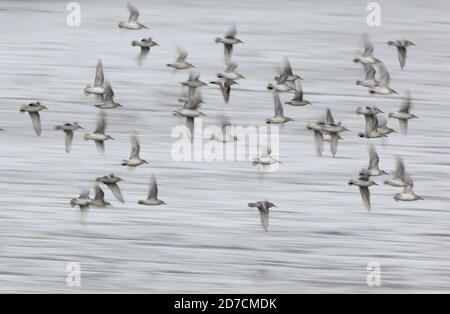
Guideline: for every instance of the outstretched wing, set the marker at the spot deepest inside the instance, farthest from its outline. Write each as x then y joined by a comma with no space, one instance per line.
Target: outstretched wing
232,32
365,195
135,147
264,213
36,120
406,104
329,117
101,123
401,52
69,138
182,55
373,158
277,104
99,76
153,190
134,13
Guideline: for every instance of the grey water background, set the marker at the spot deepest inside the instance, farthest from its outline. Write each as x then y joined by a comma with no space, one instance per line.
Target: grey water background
206,239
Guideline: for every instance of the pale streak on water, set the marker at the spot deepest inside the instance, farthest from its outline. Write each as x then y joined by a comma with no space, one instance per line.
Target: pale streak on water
206,239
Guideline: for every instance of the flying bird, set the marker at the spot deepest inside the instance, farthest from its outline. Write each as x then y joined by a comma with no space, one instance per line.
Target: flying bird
83,201
225,135
99,135
369,77
401,46
263,208
408,194
33,110
373,169
108,99
225,87
145,44
231,73
326,130
278,108
287,72
400,179
111,182
193,82
99,198
132,23
403,115
298,100
97,89
367,55
364,183
134,159
181,63
265,159
68,129
383,88
152,198
229,40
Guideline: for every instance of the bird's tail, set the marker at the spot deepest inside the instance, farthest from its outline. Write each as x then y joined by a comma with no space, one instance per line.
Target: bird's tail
134,43
252,205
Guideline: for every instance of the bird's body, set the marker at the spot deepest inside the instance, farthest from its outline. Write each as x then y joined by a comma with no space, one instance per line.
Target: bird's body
265,159
33,110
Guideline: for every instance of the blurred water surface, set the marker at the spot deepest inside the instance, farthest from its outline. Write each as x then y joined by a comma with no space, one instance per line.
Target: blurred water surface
206,239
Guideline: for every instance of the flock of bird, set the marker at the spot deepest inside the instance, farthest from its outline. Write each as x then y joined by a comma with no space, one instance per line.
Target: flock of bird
325,130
